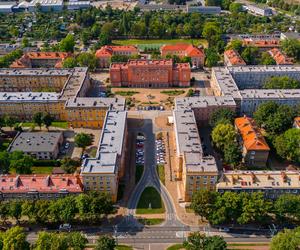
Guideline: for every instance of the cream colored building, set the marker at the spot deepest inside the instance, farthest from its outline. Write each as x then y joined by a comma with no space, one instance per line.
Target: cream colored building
103,172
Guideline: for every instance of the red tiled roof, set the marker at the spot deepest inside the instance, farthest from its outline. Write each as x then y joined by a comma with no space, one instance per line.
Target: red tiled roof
261,43
234,57
107,51
251,135
297,121
280,58
189,49
40,183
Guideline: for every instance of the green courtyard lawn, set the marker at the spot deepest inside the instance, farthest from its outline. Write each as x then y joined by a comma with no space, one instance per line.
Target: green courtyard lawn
57,124
150,195
172,92
161,172
157,43
124,247
151,221
126,93
42,170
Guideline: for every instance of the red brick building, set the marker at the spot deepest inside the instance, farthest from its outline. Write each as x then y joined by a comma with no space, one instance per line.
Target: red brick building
105,53
150,73
181,50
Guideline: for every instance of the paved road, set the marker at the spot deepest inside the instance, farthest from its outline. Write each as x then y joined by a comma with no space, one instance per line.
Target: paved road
150,177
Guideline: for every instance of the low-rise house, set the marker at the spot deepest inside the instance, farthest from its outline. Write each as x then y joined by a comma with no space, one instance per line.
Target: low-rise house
271,183
185,50
279,57
296,123
262,44
255,149
40,59
40,145
233,58
105,53
39,186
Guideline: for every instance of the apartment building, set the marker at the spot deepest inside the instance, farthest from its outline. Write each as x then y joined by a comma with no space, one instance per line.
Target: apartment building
280,58
40,145
59,92
258,10
194,170
185,50
105,53
144,73
41,186
271,183
255,149
103,172
233,58
262,44
204,106
40,60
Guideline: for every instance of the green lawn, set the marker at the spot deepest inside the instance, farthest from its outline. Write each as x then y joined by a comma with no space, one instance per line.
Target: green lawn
126,93
57,124
42,170
139,169
150,196
176,247
161,172
157,43
123,247
172,92
151,222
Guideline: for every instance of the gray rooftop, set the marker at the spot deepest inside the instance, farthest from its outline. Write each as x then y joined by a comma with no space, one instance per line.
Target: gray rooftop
182,103
270,93
110,145
189,143
35,142
28,97
91,102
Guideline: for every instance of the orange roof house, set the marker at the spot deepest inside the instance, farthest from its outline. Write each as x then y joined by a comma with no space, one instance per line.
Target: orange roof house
106,52
263,44
280,58
232,57
40,59
296,122
255,147
196,54
39,185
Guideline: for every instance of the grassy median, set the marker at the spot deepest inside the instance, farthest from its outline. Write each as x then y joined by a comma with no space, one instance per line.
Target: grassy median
152,197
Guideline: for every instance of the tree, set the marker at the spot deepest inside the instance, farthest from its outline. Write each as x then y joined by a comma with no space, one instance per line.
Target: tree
49,241
287,205
287,145
212,32
47,120
222,135
291,47
216,243
69,62
38,119
104,39
67,44
286,240
69,165
4,212
86,59
267,59
15,210
223,115
4,162
235,45
198,241
76,241
203,202
232,154
250,54
83,140
281,82
20,162
63,210
105,243
15,238
9,121
211,57
28,209
236,8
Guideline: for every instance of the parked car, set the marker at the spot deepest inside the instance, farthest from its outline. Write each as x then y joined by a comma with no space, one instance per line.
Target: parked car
65,227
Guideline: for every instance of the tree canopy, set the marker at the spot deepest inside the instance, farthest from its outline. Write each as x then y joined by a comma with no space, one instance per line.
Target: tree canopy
286,240
198,241
281,82
222,115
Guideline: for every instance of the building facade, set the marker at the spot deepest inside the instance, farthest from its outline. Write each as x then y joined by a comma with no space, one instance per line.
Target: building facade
40,145
150,74
39,186
185,50
271,183
105,53
103,172
255,149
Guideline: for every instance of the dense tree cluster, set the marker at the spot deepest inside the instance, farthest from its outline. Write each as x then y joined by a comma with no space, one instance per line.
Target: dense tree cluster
291,47
286,240
281,82
198,241
85,207
6,60
17,161
231,207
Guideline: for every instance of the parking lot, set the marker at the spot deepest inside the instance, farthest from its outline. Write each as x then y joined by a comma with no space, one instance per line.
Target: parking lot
160,152
139,153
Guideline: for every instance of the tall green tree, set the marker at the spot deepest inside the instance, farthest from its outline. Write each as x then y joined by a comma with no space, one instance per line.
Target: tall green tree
250,54
67,44
105,243
83,140
15,238
69,165
281,82
267,59
212,32
286,240
86,59
291,47
38,119
47,120
232,154
4,162
222,135
211,57
223,115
